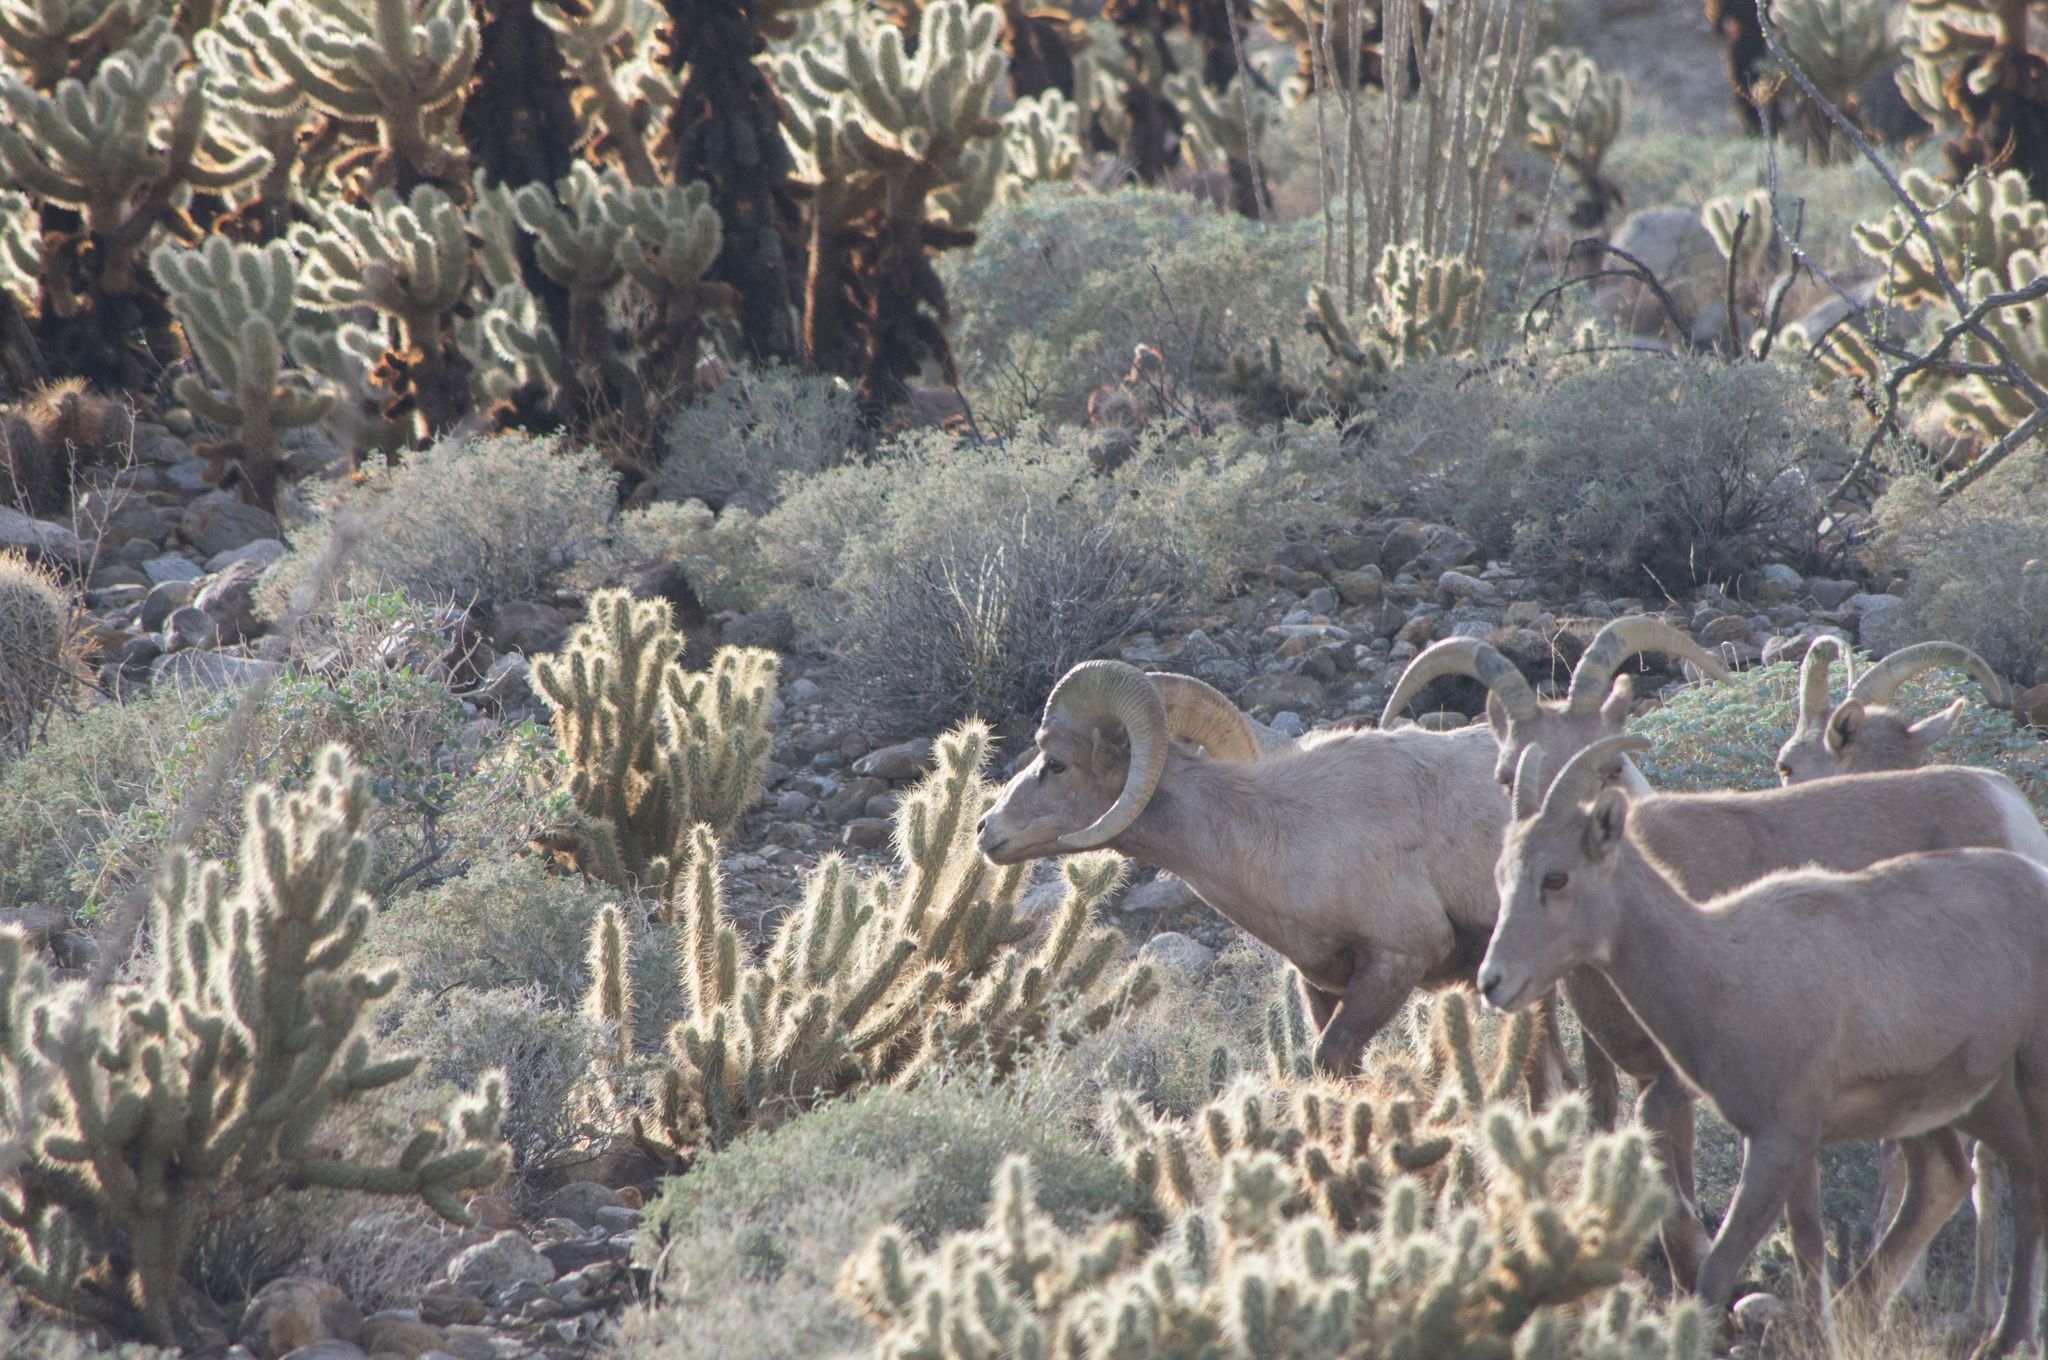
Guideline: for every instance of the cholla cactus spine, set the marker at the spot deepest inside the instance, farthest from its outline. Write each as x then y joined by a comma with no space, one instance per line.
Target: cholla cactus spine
38,648
213,1072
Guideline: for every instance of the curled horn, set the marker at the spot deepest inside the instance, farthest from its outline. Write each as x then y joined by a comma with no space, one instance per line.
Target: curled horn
1582,774
1622,639
1529,783
1821,655
1463,656
1881,682
1199,713
1112,694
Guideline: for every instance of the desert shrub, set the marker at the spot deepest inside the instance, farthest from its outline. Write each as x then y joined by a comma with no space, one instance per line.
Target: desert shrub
1979,572
38,650
1726,736
1654,473
759,426
747,1244
512,923
950,576
27,1333
484,520
1063,285
368,678
381,1257
717,550
545,1053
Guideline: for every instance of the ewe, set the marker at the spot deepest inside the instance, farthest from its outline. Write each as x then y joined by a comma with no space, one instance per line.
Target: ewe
1863,733
1907,1000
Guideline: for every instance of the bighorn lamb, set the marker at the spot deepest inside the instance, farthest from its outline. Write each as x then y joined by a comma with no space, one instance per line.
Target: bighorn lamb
1863,733
1364,858
1815,1005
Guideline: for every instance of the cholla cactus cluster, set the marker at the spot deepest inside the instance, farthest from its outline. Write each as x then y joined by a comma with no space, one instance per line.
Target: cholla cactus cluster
1422,305
871,979
1839,44
652,750
1969,62
1573,114
1287,1221
202,1086
1993,238
904,153
38,646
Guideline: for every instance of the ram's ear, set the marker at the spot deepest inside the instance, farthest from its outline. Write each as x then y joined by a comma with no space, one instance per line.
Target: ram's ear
1109,753
1608,824
1614,709
1935,726
1845,724
1497,717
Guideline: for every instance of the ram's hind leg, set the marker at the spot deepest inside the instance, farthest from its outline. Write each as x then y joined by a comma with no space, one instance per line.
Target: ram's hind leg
1665,1108
1380,985
1934,1178
2013,1122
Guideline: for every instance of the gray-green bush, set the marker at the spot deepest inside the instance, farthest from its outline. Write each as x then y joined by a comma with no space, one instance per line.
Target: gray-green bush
1978,571
1655,473
737,444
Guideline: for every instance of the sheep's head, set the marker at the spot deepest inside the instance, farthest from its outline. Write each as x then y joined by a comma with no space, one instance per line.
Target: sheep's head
1863,734
1558,909
1595,706
1102,748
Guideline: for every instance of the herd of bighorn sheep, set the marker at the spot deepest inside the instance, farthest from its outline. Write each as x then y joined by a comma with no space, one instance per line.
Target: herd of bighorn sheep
1861,953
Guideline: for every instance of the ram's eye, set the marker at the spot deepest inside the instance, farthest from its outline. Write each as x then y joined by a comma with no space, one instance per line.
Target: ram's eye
1051,766
1554,882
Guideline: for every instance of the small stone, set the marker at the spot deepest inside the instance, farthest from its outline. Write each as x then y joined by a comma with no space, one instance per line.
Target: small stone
1362,586
1430,549
52,543
1456,585
187,628
1776,583
36,922
444,1306
884,804
1829,593
789,803
328,1350
1164,894
115,597
201,672
75,949
1178,953
259,553
470,1343
1876,617
1274,692
852,801
118,518
1419,631
904,760
1726,628
499,1263
218,522
579,1202
567,1257
229,599
116,576
164,598
1323,600
294,1311
770,628
1288,723
618,1218
394,1334
139,652
1754,1312
171,567
804,691
868,833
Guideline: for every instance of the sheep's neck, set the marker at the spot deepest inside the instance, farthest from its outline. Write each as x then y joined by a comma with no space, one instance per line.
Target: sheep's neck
1197,831
1668,966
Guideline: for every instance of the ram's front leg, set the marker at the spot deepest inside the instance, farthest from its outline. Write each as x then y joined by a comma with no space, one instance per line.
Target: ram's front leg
1380,985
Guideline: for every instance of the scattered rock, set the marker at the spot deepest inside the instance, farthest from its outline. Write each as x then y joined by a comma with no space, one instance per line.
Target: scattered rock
74,949
398,1334
163,599
617,1218
1274,692
1164,894
229,599
1177,953
1288,723
568,1257
770,628
1726,628
1457,585
2030,707
171,567
868,833
1829,593
500,1262
1676,247
260,553
1876,620
508,684
1425,549
294,1311
119,518
1776,583
579,1202
852,801
328,1350
36,922
189,627
444,1306
50,543
528,627
218,522
202,672
904,760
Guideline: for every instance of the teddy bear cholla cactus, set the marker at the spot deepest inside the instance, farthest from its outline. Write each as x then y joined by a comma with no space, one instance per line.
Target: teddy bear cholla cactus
204,1086
1992,236
1839,44
1422,305
52,39
236,305
1969,61
652,750
872,979
1234,1247
904,156
1574,112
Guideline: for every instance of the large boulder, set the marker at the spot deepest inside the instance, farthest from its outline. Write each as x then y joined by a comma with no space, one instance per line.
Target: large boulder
1675,246
293,1311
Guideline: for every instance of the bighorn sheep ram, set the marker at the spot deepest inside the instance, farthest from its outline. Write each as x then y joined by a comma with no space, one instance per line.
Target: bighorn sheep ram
1917,990
1364,858
1863,733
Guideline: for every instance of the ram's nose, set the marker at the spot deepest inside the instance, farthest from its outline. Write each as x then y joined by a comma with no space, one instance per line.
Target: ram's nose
1489,987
